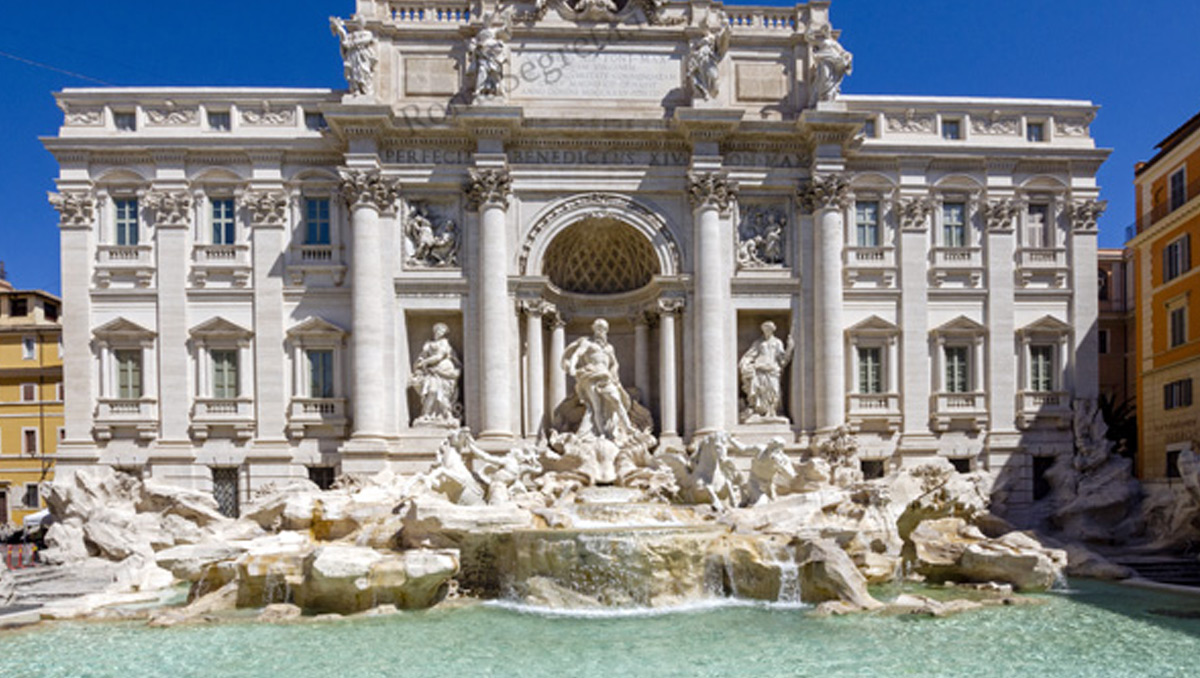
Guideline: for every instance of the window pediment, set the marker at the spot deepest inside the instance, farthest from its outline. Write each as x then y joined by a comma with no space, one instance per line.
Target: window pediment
122,329
961,326
314,329
217,329
875,326
1046,325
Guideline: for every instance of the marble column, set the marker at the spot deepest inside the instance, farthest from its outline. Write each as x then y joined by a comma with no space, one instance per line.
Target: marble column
667,378
558,345
368,194
827,197
488,192
641,357
712,195
535,367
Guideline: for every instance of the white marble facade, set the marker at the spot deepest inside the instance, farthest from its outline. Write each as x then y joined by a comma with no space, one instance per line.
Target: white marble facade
251,276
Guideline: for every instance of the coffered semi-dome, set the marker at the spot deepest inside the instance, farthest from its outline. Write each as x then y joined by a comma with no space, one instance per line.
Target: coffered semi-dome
600,256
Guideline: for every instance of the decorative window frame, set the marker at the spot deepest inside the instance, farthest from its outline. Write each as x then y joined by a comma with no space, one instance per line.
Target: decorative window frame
969,408
306,412
1053,406
305,259
114,412
115,261
965,262
879,411
208,412
1176,304
211,258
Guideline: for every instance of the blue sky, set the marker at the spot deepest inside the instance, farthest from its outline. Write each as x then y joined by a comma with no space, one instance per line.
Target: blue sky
1136,59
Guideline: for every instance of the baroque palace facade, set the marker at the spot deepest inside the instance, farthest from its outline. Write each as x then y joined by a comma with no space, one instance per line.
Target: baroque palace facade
263,281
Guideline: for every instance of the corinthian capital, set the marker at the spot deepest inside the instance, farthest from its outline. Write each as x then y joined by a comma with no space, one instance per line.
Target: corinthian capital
172,209
1085,213
914,213
488,186
369,188
826,191
75,209
267,208
712,188
999,214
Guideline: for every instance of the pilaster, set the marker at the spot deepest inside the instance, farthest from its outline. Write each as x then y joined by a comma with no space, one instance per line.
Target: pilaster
172,212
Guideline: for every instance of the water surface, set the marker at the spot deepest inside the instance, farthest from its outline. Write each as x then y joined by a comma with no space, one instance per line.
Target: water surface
1096,631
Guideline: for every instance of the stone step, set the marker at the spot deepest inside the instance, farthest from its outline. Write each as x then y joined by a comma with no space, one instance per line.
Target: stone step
1180,571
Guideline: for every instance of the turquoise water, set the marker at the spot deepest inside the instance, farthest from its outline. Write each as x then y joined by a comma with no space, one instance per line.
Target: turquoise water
1099,630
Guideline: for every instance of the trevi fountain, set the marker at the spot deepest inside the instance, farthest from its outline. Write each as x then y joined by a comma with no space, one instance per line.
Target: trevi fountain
743,508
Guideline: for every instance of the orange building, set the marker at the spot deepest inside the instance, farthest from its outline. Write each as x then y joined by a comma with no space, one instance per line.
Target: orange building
1167,284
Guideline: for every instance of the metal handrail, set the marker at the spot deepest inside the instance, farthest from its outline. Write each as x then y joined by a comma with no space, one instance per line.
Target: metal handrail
1160,212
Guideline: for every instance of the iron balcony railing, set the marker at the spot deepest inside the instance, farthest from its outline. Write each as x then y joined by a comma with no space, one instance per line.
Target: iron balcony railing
1162,210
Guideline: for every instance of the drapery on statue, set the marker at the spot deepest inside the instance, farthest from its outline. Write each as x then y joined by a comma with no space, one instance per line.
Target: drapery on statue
704,61
830,65
760,370
435,379
359,55
593,363
488,55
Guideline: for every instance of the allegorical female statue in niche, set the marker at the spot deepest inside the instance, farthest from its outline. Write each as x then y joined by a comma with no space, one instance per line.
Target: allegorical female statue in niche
761,370
435,379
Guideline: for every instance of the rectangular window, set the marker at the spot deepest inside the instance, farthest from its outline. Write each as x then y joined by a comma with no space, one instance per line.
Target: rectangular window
315,122
59,392
28,393
866,216
29,441
1178,189
219,121
224,227
32,496
1177,326
1105,339
952,130
870,370
127,221
316,221
1177,394
28,348
225,491
129,374
320,374
958,369
1177,258
1035,131
954,225
224,374
872,468
51,311
125,121
1041,367
961,464
1037,227
19,307
869,128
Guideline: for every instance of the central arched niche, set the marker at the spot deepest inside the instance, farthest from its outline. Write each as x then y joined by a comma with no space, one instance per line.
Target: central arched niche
600,255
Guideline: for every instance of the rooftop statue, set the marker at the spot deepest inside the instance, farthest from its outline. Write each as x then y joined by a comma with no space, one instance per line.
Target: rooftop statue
831,63
488,55
359,54
704,62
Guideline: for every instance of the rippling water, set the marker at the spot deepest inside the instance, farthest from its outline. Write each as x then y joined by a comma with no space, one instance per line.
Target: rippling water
1098,630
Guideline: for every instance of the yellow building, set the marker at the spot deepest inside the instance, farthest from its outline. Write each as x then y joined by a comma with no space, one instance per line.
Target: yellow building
1167,247
31,397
